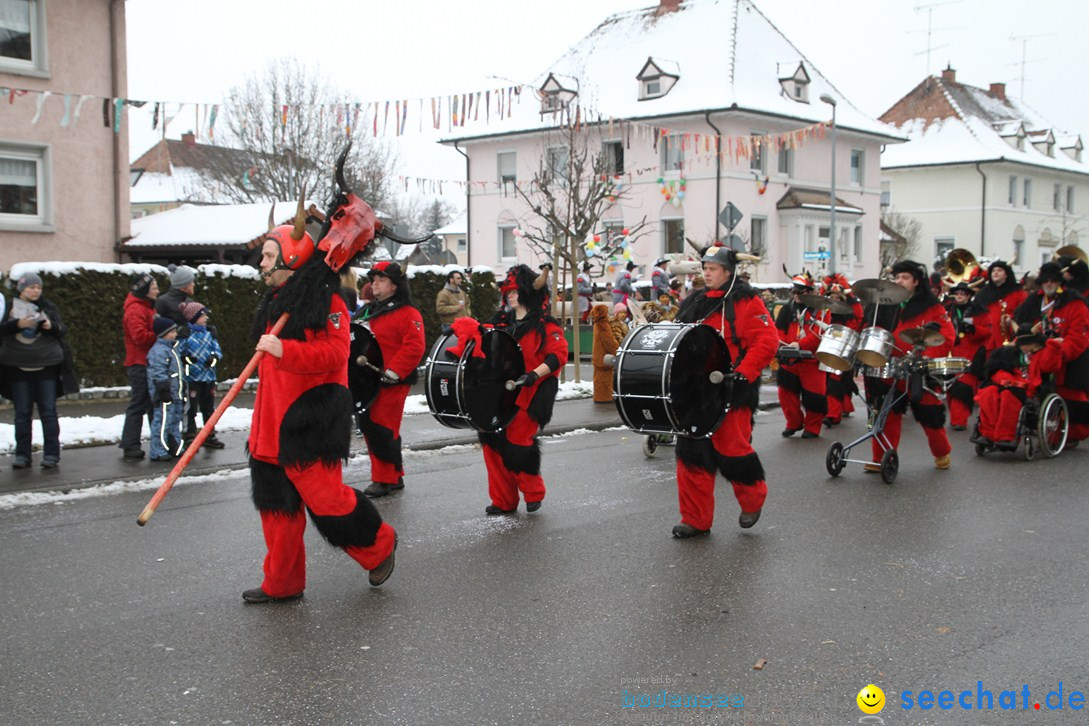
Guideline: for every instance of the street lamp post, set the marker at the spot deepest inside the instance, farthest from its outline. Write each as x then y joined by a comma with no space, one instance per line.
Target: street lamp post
832,194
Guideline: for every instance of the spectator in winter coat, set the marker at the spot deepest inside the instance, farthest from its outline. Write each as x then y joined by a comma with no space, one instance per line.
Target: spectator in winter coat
166,386
139,337
37,367
452,302
201,353
182,285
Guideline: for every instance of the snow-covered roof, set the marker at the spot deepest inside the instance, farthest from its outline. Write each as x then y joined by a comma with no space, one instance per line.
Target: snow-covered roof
460,225
215,225
976,130
728,55
183,184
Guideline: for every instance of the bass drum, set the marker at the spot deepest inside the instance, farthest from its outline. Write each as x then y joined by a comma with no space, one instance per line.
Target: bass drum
662,382
470,392
363,381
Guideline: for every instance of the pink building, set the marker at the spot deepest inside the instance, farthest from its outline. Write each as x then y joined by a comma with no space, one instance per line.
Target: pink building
63,178
657,90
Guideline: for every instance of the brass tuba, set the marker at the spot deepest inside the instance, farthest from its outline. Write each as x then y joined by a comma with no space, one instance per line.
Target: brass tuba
961,266
1072,251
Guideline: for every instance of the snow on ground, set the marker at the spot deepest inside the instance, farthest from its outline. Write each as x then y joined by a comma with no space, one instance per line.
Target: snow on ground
28,499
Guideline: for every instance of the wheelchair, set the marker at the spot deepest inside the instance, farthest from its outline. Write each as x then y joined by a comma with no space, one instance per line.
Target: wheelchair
1042,427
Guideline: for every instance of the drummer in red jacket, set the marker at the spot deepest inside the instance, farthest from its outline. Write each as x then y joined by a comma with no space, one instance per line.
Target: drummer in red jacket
398,328
921,309
801,382
727,304
513,456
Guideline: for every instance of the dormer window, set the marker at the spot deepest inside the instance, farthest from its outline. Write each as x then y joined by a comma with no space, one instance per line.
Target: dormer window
1013,133
557,92
796,85
657,78
1044,141
1072,147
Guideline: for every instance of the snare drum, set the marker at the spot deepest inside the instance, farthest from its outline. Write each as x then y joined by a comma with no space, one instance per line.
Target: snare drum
467,391
661,381
363,380
837,348
947,368
826,369
874,347
884,371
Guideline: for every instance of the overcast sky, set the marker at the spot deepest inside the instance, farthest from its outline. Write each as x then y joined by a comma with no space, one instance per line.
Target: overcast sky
873,51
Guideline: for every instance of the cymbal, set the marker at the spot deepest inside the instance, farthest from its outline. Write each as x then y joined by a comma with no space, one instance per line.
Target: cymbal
922,336
820,302
880,292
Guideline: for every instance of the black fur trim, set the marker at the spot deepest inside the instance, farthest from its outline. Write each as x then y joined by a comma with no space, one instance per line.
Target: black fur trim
522,459
695,308
963,393
877,389
923,299
745,469
1019,393
931,416
317,427
272,491
380,442
358,528
696,453
978,367
1077,373
495,441
540,407
1005,358
307,295
1078,411
745,394
814,402
786,317
788,380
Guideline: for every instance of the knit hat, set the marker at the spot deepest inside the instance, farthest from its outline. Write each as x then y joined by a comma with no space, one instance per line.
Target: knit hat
193,310
140,284
27,279
1049,272
915,269
180,276
162,326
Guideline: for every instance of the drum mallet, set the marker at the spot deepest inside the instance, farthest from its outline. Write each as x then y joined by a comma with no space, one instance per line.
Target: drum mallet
362,362
716,377
207,429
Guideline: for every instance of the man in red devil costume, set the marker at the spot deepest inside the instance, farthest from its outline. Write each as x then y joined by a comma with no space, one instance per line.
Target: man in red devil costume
921,309
398,328
513,456
301,428
731,307
801,382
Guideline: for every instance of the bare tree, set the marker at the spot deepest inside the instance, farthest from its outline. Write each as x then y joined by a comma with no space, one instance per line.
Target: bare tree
908,230
282,134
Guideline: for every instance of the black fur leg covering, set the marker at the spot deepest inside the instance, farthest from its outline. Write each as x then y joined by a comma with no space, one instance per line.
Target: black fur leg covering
317,427
696,453
1078,411
540,408
928,415
815,402
963,393
522,459
357,528
381,444
876,389
788,380
745,394
745,469
837,387
272,491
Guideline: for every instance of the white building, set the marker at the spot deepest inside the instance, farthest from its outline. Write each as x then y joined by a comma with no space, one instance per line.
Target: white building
694,104
985,173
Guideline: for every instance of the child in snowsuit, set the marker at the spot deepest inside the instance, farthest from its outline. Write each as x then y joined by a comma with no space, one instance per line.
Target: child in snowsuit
201,353
166,384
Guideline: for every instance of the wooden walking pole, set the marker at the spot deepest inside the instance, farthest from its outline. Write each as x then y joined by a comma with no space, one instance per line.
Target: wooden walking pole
206,431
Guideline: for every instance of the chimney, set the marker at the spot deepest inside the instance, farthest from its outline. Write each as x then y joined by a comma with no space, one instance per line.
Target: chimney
998,90
189,138
667,6
949,75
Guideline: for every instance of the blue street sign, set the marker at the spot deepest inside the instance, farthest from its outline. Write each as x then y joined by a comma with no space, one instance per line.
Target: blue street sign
815,255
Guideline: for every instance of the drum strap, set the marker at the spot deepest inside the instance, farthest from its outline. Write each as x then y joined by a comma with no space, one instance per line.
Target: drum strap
729,317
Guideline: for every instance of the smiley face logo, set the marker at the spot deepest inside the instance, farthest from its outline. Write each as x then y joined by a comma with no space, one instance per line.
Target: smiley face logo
870,699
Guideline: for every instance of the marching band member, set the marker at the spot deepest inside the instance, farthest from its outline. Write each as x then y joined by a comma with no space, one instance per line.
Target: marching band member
1062,314
970,326
731,307
1075,274
841,386
999,297
659,279
513,455
398,328
801,382
921,309
1014,374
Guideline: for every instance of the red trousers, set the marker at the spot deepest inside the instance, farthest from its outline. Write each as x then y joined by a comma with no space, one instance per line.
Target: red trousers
1077,403
738,462
803,384
514,464
960,399
999,409
324,493
839,387
930,413
382,431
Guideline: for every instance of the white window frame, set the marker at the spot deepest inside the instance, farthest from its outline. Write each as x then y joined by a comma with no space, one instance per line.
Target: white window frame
38,65
1027,199
1057,198
503,229
462,244
1070,199
858,174
886,192
672,155
499,168
943,245
42,156
612,158
758,246
652,88
759,160
666,221
1014,188
558,156
858,252
785,154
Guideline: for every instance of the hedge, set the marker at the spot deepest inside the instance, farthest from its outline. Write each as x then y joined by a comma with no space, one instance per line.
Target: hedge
91,297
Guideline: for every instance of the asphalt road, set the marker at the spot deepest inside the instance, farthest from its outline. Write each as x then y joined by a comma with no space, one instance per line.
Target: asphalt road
936,582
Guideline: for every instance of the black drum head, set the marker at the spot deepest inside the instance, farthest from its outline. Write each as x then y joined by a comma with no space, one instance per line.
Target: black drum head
698,404
489,405
363,381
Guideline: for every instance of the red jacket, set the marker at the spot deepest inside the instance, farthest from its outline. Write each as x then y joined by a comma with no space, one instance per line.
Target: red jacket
806,334
400,337
933,314
139,331
994,313
555,343
1046,360
971,330
320,359
755,331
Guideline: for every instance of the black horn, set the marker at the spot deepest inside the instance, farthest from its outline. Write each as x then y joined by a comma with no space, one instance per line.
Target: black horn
340,168
385,232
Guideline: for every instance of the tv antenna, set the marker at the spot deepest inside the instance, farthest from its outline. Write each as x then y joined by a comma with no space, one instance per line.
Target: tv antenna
1024,39
930,29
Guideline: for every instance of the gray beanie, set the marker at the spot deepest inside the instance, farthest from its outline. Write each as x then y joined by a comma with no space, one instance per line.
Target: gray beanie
180,276
27,279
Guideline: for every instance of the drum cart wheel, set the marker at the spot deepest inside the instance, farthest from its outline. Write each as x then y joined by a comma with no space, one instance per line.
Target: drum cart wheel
890,466
1052,425
833,462
650,445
